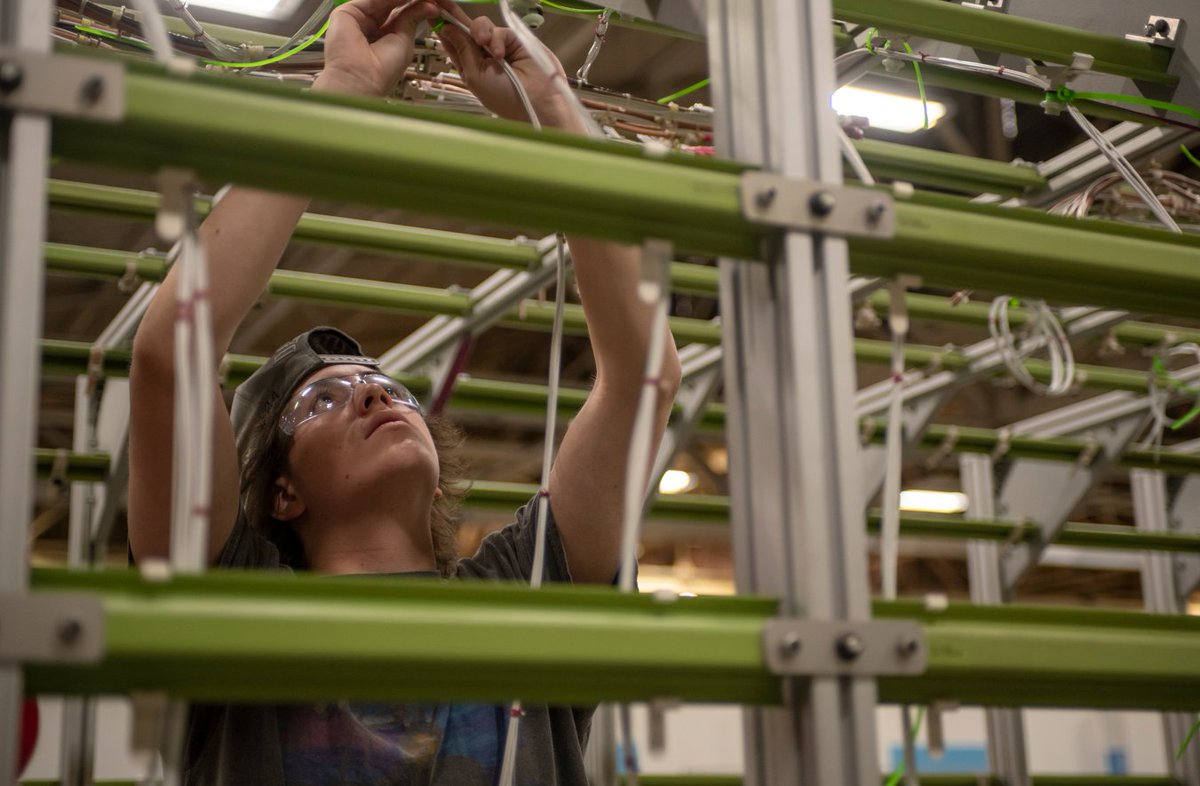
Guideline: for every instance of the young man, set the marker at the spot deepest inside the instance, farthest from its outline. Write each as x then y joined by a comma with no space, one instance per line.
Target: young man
340,473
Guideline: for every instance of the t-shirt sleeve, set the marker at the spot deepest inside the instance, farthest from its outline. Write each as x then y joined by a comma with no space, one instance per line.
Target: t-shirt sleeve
508,553
247,548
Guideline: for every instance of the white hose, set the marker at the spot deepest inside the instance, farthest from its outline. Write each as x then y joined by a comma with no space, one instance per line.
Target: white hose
508,71
154,30
850,153
1044,329
597,43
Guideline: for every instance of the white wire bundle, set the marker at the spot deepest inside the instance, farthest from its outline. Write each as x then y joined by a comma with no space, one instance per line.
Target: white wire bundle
508,764
508,71
154,29
1043,329
545,62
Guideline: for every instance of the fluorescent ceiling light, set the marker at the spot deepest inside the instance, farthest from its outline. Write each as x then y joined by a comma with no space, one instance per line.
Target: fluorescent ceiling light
267,9
886,110
924,501
676,481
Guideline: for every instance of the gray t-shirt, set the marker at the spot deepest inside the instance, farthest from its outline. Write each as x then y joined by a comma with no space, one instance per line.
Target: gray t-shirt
377,743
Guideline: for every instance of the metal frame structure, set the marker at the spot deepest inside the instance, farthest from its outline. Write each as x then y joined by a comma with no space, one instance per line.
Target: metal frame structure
796,507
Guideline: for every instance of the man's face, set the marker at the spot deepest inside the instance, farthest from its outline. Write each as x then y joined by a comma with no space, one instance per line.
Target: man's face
364,448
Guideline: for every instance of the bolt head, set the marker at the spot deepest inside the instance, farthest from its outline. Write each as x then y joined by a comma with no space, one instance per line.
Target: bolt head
91,91
1161,26
790,645
11,76
69,631
822,203
850,646
907,646
875,212
766,197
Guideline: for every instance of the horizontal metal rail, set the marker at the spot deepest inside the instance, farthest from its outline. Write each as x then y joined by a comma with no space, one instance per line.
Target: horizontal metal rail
282,637
952,171
255,133
1008,33
713,510
518,398
966,779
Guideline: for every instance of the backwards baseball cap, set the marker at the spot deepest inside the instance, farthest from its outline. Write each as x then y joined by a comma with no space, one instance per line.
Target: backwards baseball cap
270,386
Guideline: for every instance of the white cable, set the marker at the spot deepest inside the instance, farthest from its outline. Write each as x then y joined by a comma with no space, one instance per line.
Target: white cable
154,30
597,43
652,291
1044,330
544,61
509,72
1159,397
889,540
850,153
508,764
627,746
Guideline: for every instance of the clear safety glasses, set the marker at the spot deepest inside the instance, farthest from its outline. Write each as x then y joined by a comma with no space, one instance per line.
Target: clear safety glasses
333,393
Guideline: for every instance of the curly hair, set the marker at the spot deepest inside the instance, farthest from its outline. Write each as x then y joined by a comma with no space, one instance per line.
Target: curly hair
265,457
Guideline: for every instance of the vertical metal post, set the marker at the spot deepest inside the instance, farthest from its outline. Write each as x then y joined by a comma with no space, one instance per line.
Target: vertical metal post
796,509
1005,727
24,145
1161,596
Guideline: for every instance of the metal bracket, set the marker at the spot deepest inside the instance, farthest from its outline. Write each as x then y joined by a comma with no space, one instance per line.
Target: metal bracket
812,206
1161,31
821,648
990,5
51,627
61,85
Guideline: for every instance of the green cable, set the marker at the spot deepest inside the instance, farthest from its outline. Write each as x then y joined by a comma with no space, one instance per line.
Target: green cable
1165,380
898,773
1188,155
571,9
690,89
275,58
1188,739
1067,95
920,85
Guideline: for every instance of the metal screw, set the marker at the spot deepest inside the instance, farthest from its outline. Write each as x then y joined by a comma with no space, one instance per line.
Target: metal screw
11,76
91,91
765,197
850,646
1160,26
875,212
907,646
790,645
822,203
69,631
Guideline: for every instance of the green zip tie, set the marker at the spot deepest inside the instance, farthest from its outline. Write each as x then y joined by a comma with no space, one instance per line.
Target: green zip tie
920,85
898,773
275,58
869,44
689,89
1188,739
1188,155
1165,380
1067,95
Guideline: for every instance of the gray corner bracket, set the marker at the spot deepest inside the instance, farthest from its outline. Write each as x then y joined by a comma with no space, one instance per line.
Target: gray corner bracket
51,627
811,206
819,648
1161,31
61,85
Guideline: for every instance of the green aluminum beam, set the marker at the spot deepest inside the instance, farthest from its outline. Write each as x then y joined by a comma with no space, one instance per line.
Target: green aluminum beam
1011,34
254,636
532,315
948,170
712,510
370,236
254,133
67,358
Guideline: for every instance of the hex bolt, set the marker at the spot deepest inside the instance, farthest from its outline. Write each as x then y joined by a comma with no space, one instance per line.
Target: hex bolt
822,203
850,646
69,631
907,646
91,91
1158,27
766,197
11,76
790,645
876,212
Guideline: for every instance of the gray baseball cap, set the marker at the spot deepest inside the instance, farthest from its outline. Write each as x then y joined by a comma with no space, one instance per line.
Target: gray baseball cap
271,386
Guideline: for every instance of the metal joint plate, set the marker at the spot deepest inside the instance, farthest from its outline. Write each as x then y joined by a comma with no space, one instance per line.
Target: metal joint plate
812,206
820,648
61,85
51,627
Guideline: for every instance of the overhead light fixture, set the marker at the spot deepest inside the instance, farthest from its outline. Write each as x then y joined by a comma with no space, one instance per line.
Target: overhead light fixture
266,9
675,481
886,110
926,501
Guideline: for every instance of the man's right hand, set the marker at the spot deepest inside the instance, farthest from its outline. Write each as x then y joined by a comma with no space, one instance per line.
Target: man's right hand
369,45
